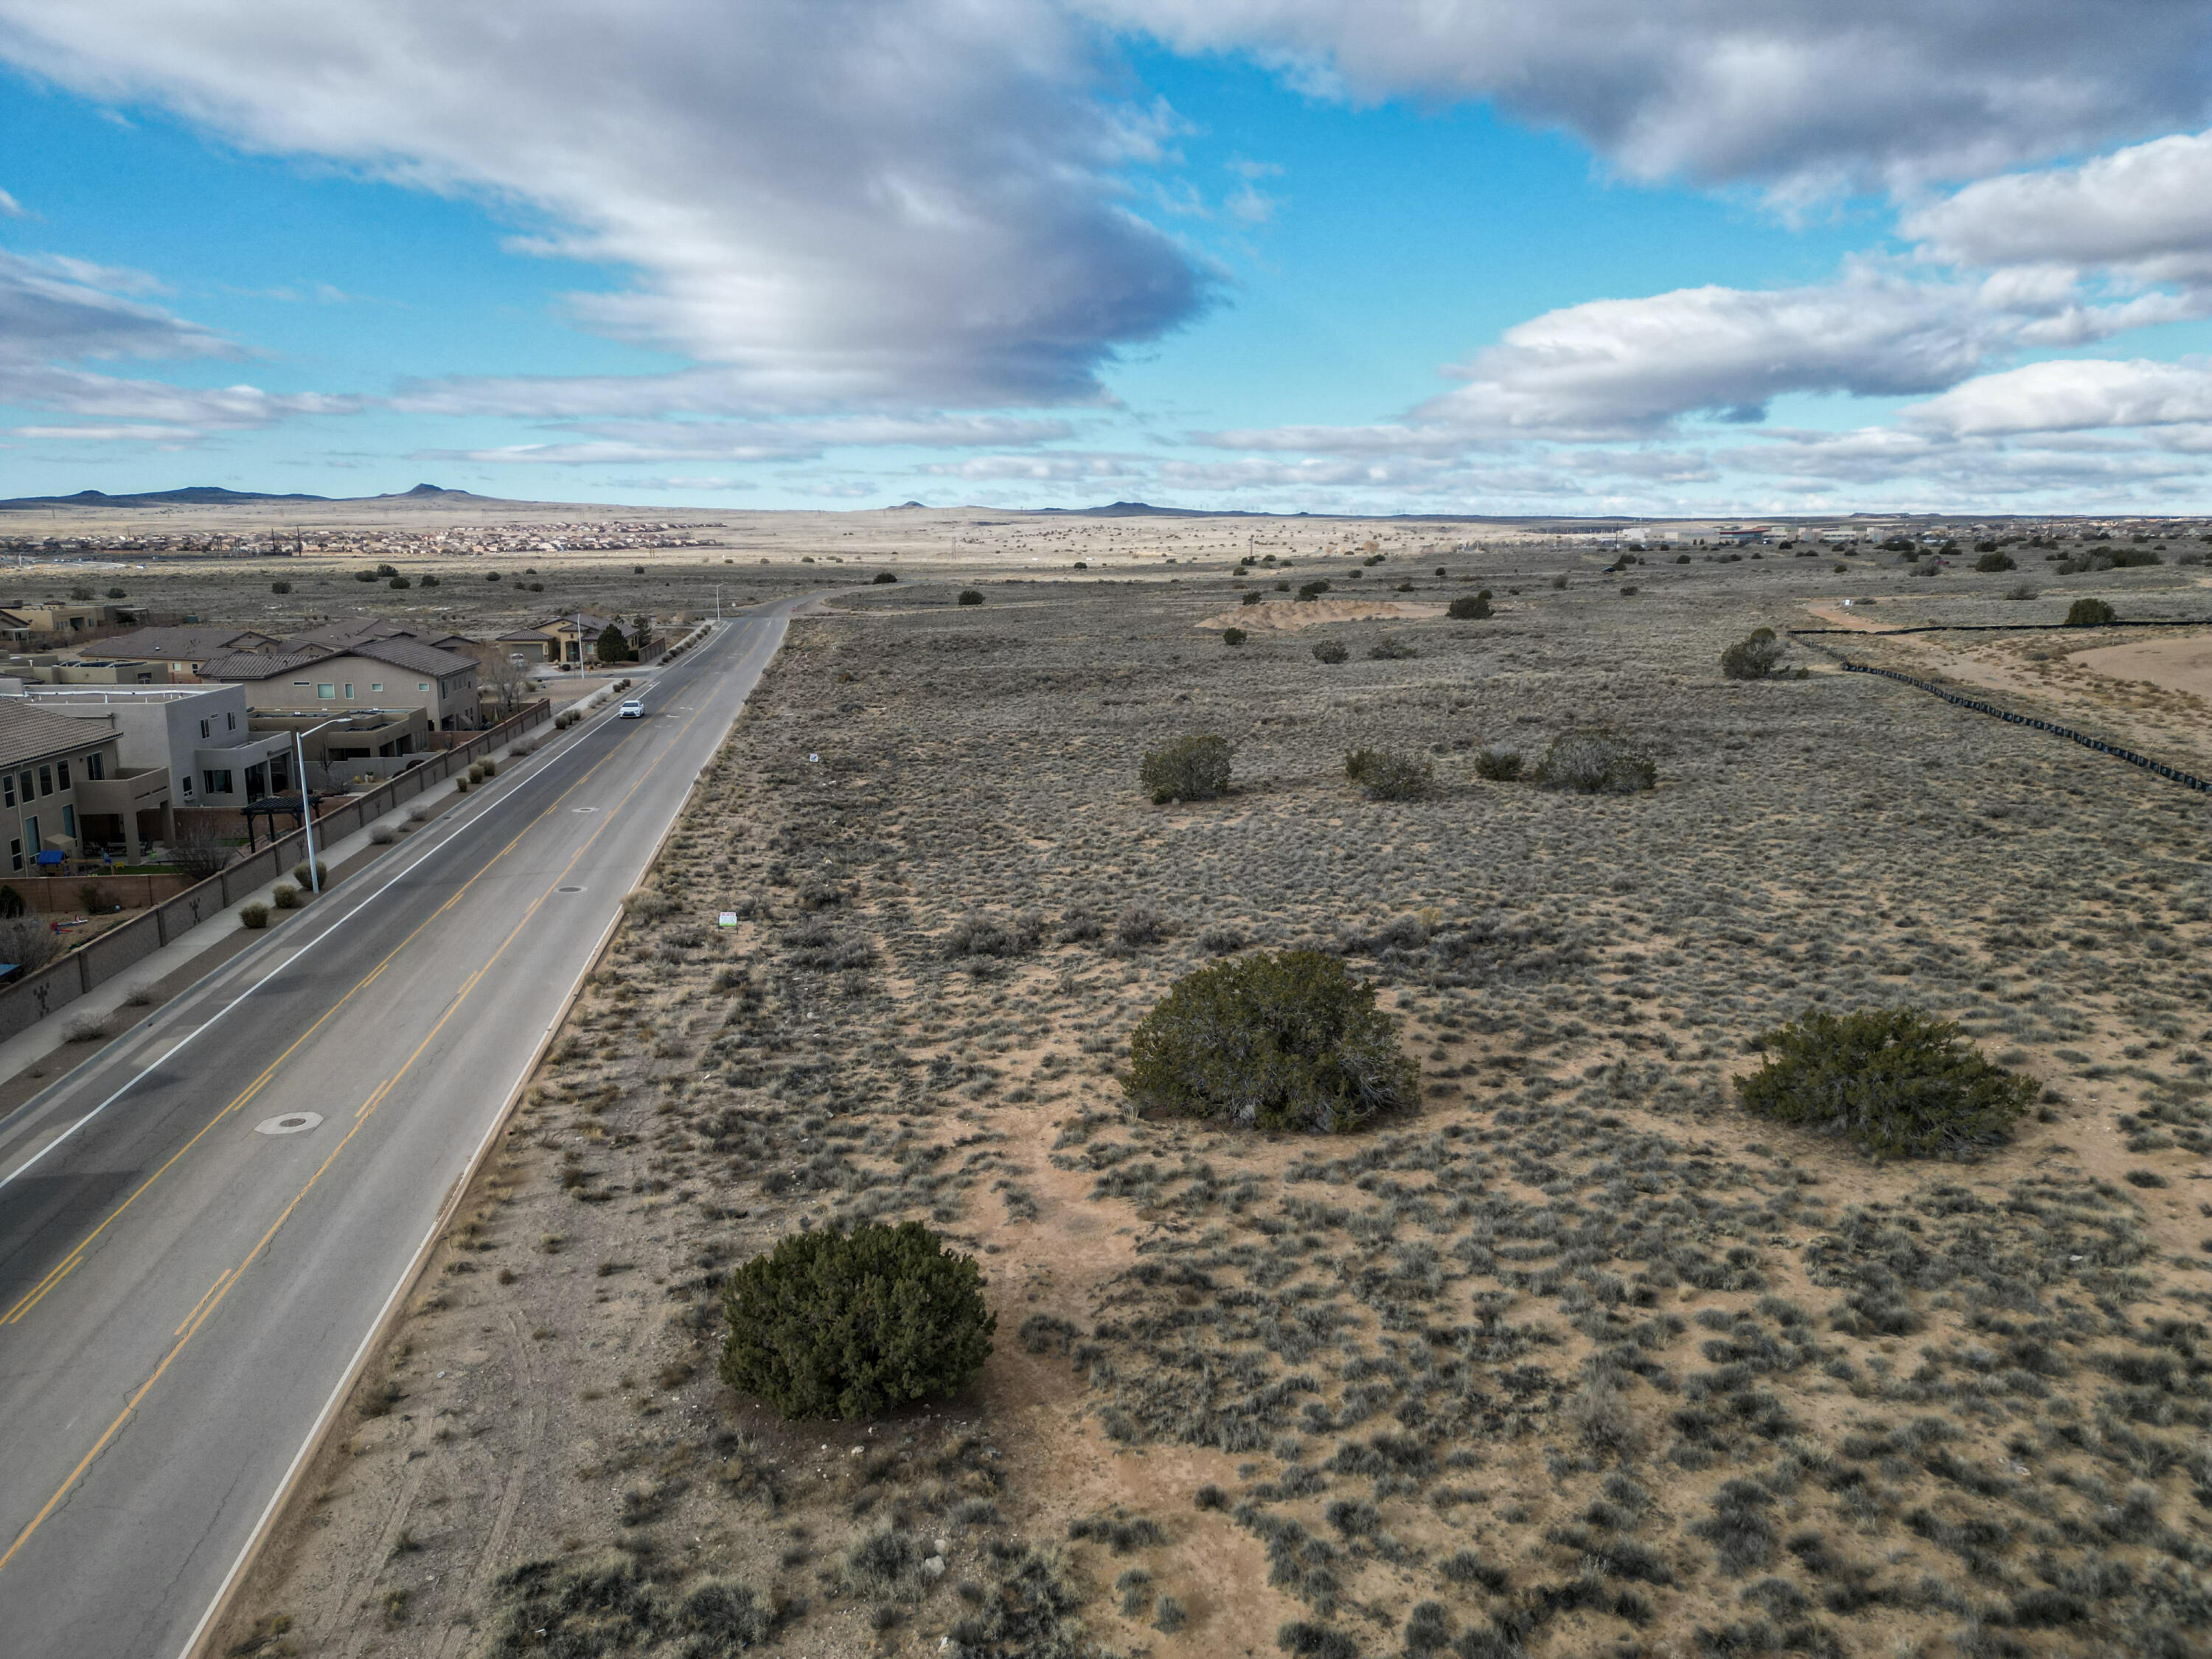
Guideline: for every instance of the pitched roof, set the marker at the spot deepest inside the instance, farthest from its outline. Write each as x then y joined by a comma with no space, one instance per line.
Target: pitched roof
263,664
401,653
354,629
188,644
404,652
27,732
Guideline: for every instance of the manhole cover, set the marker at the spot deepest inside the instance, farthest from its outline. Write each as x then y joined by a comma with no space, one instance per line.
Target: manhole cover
568,889
291,1123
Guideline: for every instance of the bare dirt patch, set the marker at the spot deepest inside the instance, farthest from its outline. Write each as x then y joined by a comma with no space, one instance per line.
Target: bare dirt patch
1284,616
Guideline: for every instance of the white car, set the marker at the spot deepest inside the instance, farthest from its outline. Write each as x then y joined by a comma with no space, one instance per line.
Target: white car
632,710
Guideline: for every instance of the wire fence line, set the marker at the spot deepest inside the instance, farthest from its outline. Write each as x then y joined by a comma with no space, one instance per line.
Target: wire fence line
2171,774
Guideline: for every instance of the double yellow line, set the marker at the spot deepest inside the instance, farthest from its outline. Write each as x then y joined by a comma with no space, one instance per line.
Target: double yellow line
213,1297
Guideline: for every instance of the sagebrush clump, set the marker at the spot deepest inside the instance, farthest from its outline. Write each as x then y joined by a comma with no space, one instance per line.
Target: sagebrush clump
1386,774
1194,768
1331,651
1754,656
2088,613
1592,761
1288,1040
1469,607
1896,1082
834,1324
1497,765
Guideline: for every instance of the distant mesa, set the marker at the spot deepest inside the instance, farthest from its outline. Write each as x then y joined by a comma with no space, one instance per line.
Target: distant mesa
213,495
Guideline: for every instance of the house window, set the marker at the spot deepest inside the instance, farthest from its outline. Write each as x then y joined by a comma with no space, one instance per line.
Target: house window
95,767
61,771
348,686
8,790
69,821
16,854
205,732
26,784
188,788
302,684
375,688
45,780
230,722
422,685
214,783
326,691
30,834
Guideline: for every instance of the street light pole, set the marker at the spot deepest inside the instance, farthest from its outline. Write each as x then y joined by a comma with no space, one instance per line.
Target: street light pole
306,802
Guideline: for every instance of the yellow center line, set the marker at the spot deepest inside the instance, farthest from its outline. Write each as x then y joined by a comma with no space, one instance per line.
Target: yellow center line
203,1302
223,1286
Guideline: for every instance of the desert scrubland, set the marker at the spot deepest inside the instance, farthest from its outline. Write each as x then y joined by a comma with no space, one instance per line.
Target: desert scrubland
1574,1358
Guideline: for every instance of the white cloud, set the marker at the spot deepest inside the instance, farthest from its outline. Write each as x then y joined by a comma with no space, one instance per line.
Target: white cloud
52,317
2145,209
2071,395
11,207
831,201
610,443
1806,96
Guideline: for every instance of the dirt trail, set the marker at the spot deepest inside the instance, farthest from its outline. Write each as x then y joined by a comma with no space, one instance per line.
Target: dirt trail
1284,616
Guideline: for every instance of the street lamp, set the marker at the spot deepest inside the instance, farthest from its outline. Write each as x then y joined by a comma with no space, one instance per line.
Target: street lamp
307,804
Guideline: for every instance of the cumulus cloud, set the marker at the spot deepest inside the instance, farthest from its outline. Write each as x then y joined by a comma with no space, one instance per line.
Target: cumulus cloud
831,201
1804,96
2145,209
2071,395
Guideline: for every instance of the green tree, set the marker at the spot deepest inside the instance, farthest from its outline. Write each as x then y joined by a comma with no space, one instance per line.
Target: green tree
1896,1082
612,646
1284,1040
1194,768
2088,613
1754,657
832,1324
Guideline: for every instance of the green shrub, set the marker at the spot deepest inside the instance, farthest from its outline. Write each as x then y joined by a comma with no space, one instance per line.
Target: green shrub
831,1324
255,914
1754,656
1386,775
1195,768
883,576
1252,597
285,897
280,587
1390,648
1330,651
2088,613
320,874
1312,590
1234,636
1497,765
1896,1082
1468,607
1592,761
1288,1040
969,596
1990,563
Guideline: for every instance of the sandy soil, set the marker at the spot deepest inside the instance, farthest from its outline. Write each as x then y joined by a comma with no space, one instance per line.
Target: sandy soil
1575,1274
1279,616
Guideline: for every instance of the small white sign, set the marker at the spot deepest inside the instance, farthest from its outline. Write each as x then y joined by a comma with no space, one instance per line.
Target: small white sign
729,918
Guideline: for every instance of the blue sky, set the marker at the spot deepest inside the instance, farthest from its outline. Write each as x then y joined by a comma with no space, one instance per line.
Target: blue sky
1720,258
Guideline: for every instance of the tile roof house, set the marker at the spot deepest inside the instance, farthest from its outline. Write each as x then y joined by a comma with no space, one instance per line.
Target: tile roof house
183,649
396,672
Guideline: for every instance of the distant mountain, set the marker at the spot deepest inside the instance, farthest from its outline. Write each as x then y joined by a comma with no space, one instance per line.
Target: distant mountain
1146,510
208,495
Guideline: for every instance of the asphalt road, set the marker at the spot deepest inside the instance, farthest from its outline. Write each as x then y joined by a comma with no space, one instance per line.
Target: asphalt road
182,1289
